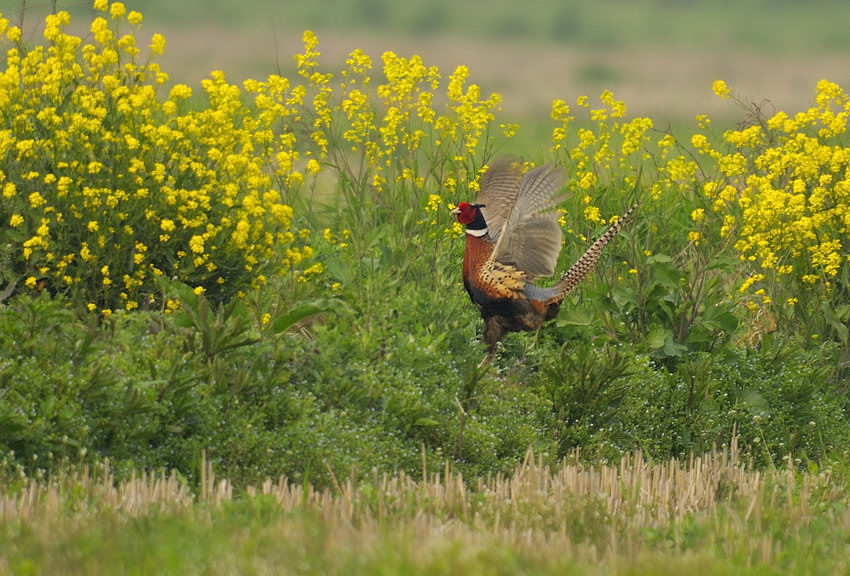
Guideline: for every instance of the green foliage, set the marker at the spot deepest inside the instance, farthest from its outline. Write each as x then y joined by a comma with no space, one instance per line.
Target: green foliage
586,388
777,400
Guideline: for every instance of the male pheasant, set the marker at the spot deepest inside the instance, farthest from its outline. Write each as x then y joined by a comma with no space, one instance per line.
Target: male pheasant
513,237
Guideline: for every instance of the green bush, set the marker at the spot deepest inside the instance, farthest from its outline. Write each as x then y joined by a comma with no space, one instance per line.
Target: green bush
778,401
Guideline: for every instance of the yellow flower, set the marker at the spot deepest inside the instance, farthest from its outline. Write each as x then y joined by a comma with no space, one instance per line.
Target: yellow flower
591,214
16,220
158,44
588,180
117,10
750,281
434,203
560,110
719,87
699,141
180,92
36,200
196,244
13,34
617,108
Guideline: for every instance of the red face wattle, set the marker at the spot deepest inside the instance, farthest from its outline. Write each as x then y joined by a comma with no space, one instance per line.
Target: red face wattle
465,212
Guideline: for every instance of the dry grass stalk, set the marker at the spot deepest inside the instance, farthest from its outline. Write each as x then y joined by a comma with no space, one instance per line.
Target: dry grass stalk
592,512
83,490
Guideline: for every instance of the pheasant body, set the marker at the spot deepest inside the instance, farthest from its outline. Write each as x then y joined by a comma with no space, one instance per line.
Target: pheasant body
512,237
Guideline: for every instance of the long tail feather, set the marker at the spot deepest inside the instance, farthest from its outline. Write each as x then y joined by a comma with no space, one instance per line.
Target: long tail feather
584,265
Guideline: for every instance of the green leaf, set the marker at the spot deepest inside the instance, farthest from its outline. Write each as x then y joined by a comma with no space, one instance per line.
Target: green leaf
661,341
426,422
673,349
657,336
575,317
305,309
179,290
720,319
659,258
666,274
341,270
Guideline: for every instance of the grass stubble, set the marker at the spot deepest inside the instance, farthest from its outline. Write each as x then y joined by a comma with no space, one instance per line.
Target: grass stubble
712,513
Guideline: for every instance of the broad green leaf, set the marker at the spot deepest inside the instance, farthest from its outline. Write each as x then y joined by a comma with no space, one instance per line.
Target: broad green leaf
305,309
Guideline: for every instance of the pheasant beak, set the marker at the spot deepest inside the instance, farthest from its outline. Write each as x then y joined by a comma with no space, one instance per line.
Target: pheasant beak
456,211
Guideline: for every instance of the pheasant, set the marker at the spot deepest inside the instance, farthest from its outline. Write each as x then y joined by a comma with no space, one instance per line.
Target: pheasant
512,237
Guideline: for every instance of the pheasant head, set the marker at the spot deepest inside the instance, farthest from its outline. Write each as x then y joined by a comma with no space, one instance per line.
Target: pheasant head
470,215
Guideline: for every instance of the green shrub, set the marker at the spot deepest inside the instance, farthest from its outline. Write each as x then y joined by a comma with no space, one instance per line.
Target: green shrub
779,401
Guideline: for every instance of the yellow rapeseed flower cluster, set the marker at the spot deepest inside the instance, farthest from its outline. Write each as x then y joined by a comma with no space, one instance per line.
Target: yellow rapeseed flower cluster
783,191
399,143
107,184
388,138
602,151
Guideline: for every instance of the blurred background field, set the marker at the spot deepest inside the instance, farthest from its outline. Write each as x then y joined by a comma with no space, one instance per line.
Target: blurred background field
658,56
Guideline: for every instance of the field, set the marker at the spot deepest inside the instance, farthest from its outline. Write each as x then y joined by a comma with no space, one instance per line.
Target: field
234,338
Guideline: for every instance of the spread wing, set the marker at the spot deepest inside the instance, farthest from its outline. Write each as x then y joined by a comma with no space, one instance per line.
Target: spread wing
529,236
498,190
